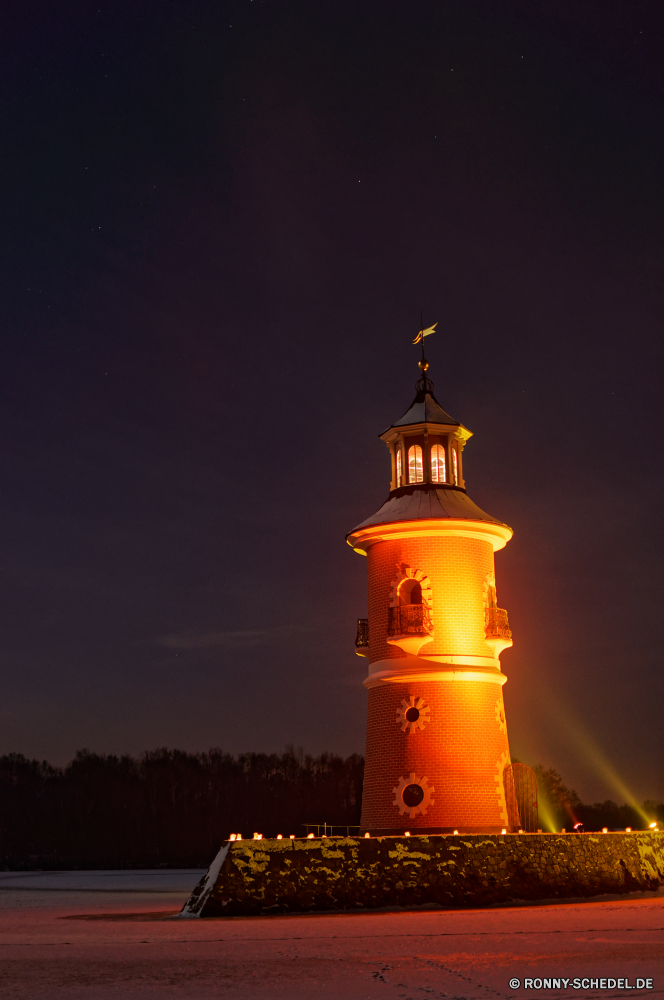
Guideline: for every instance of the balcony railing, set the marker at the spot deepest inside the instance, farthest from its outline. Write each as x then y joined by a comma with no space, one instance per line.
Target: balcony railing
409,619
362,638
496,625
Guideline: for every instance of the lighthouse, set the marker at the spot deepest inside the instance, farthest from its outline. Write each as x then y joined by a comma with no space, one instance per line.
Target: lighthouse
437,754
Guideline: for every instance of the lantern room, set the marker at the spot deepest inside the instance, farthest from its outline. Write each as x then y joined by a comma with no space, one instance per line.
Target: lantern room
426,444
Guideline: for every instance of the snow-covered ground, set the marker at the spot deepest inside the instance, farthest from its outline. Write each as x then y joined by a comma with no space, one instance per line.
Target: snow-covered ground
101,945
167,887
148,880
111,935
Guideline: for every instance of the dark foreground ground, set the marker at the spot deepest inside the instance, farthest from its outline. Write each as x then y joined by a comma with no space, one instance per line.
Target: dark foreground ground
109,936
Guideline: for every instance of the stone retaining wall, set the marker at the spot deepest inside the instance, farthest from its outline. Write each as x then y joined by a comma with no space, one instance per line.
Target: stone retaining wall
286,876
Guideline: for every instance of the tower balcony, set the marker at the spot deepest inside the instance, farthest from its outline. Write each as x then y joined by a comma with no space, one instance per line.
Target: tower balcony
362,637
497,630
409,626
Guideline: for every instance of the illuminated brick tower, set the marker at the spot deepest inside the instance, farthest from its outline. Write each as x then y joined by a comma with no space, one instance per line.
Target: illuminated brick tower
437,744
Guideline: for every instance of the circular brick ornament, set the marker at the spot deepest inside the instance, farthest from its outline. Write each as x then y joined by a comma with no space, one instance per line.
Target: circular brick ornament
413,714
413,795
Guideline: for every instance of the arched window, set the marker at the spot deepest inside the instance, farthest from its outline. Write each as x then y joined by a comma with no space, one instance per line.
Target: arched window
415,474
399,469
438,469
455,463
410,592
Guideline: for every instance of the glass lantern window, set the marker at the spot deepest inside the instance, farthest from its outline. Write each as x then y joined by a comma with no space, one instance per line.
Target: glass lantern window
415,468
438,464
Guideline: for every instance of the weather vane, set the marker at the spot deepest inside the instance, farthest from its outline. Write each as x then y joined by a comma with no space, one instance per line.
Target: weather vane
425,333
423,364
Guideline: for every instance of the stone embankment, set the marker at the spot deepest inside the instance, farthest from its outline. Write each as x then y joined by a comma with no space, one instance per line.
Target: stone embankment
289,876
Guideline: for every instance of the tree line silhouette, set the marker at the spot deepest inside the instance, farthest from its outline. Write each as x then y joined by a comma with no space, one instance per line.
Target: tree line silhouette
166,808
170,808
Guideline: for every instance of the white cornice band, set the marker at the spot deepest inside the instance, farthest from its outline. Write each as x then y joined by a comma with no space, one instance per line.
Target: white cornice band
497,535
421,676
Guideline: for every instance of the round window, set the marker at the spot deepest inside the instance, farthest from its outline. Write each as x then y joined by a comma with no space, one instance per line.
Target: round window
413,714
413,795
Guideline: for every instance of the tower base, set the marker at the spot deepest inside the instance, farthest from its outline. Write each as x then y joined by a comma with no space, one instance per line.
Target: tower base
254,877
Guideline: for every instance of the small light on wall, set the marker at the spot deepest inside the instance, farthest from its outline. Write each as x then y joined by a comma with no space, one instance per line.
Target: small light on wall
280,836
407,833
520,830
503,830
291,836
628,829
238,836
310,836
605,829
258,836
324,836
456,833
367,835
653,826
232,837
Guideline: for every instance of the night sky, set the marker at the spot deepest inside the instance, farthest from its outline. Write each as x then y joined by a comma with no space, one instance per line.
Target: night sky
220,223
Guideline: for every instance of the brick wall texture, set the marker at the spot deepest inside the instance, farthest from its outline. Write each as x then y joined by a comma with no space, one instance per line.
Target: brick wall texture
457,568
461,752
287,876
